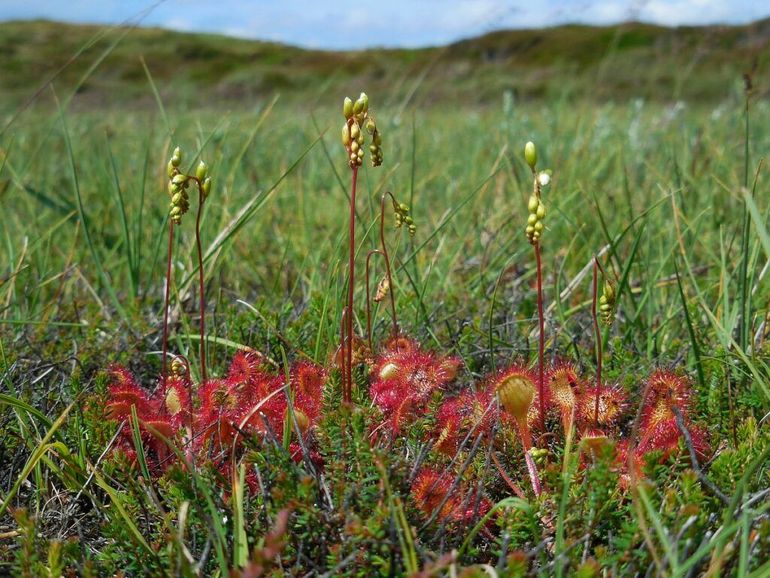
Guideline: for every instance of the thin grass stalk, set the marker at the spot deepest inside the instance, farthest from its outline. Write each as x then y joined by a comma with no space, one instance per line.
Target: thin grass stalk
384,250
745,316
598,338
201,286
541,337
164,368
369,256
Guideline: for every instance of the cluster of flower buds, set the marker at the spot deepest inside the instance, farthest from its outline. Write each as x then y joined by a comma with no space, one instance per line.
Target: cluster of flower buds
178,182
535,221
357,119
177,188
403,216
607,303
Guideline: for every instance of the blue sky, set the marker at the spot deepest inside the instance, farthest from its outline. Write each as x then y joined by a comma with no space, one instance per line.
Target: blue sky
361,23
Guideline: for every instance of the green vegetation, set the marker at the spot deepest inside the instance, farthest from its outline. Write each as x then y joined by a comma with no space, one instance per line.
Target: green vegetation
662,193
620,62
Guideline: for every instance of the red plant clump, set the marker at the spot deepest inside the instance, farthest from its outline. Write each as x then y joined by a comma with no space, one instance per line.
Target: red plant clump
404,378
153,416
432,492
249,400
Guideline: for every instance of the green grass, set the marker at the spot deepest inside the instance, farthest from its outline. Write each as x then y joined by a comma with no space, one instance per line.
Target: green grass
82,241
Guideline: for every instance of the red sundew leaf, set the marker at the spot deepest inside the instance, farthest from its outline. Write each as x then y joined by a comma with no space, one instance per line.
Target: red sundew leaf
429,489
244,367
218,396
476,412
124,392
666,390
564,386
307,383
666,436
516,387
121,378
176,400
612,404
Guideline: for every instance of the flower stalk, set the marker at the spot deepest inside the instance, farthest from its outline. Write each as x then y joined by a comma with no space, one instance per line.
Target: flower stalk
534,230
357,120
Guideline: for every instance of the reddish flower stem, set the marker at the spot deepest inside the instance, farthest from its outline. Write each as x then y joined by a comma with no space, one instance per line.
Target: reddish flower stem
541,338
201,200
526,443
164,370
597,331
347,344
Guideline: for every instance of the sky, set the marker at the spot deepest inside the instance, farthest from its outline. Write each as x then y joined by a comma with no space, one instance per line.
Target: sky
349,24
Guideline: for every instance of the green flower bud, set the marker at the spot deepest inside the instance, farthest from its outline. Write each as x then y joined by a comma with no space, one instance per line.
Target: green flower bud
539,226
354,146
364,102
176,198
176,157
172,188
370,126
179,179
530,154
541,211
345,135
355,131
533,204
532,219
202,171
347,107
206,186
358,107
170,168
609,291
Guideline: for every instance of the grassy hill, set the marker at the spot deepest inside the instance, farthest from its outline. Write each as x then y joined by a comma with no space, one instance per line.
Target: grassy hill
617,62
